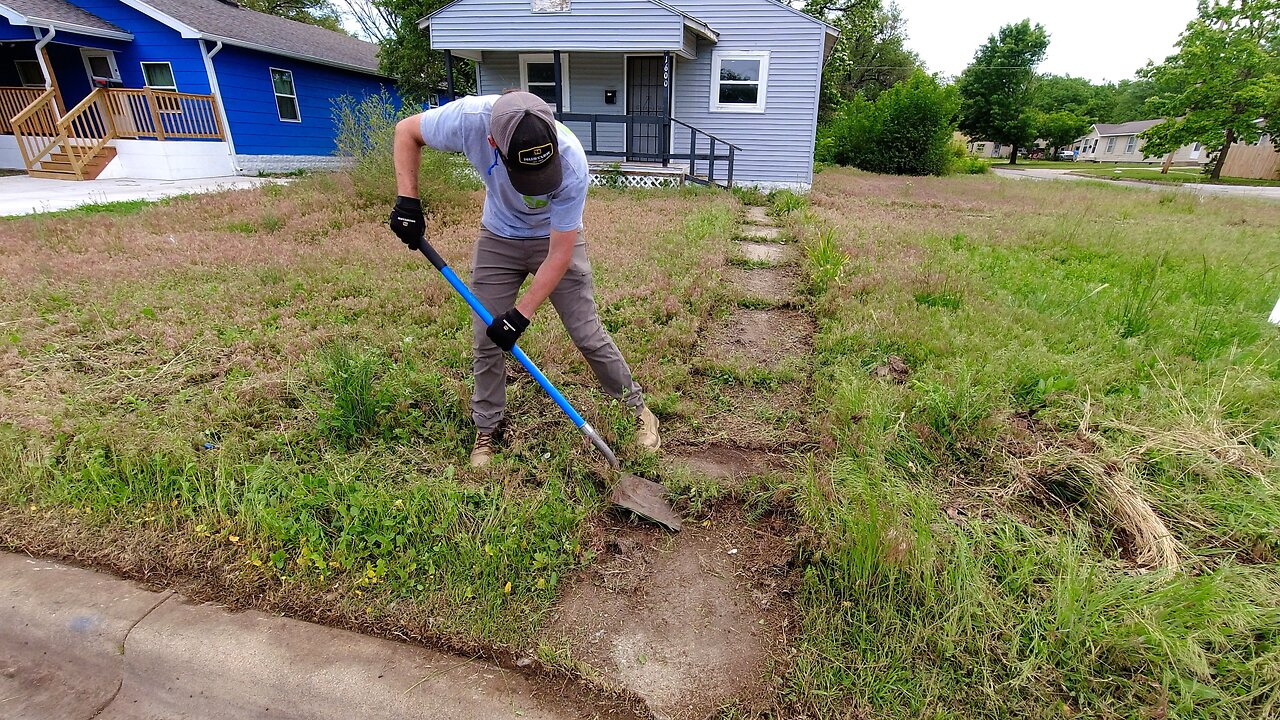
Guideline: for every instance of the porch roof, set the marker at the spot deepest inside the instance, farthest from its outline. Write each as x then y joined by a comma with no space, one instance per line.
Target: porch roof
59,15
468,27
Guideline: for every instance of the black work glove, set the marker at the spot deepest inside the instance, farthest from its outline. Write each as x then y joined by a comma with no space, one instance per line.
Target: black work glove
407,221
505,329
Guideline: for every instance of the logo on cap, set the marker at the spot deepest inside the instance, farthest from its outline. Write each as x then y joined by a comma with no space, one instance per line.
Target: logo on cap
535,155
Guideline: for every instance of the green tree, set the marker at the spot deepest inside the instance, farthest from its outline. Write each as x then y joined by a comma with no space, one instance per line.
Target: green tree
1225,72
407,55
1061,128
312,12
907,130
995,90
871,54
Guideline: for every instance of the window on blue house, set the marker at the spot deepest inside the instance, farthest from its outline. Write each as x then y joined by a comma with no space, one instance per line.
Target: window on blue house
286,95
29,73
159,76
739,79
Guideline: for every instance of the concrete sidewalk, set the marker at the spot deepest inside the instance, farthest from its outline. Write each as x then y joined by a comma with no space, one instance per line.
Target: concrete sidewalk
76,644
1246,191
23,195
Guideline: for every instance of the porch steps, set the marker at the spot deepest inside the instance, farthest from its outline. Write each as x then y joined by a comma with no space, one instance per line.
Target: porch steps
58,166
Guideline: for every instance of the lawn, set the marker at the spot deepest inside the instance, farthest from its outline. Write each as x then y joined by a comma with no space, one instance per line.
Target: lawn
1175,176
1035,473
1024,164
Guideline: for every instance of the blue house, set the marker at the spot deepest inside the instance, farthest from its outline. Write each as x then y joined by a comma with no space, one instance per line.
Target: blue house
713,91
170,89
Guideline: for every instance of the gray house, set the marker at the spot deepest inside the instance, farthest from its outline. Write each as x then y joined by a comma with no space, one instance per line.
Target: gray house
713,91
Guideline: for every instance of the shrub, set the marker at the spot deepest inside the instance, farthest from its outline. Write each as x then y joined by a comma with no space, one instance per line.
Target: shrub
906,131
366,132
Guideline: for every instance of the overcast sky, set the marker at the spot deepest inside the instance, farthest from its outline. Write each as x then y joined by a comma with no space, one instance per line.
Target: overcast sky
1096,39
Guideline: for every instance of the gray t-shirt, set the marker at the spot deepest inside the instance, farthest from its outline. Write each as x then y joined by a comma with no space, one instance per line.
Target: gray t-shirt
463,126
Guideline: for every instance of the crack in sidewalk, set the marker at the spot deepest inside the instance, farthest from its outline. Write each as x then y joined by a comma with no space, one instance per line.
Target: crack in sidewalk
165,597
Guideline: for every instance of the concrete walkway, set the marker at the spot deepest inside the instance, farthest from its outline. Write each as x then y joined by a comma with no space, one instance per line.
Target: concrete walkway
1250,191
76,644
23,195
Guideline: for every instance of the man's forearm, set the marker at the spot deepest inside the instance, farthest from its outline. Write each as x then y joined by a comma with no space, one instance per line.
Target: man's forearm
407,154
549,274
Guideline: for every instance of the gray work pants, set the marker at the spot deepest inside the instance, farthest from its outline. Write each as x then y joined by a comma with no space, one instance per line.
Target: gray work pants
498,269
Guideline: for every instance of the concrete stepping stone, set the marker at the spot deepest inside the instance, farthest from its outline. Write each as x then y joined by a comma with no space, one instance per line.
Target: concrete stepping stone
762,338
64,631
728,464
771,285
761,252
759,215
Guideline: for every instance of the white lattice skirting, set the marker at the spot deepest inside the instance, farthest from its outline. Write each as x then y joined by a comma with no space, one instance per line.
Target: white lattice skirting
636,181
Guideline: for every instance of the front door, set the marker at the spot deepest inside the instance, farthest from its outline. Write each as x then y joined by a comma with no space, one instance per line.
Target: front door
645,97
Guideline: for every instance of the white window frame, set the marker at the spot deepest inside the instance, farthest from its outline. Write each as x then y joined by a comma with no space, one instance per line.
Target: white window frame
146,83
1111,144
548,59
86,53
1132,145
17,65
275,96
718,57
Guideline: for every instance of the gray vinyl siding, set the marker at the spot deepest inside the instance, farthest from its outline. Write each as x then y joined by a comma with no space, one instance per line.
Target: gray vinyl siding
614,25
590,74
777,145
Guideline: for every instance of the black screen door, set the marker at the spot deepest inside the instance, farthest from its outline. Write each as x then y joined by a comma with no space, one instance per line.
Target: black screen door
644,97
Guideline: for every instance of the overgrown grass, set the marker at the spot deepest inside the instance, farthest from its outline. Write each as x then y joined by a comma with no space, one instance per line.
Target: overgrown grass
267,378
1067,507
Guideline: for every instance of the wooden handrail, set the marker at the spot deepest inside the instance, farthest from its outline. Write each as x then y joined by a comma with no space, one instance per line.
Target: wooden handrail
83,133
13,100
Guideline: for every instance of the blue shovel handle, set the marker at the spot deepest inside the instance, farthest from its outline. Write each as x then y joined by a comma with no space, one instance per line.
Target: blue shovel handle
479,309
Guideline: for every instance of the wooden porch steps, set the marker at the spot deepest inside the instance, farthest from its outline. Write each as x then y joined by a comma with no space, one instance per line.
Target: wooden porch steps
58,166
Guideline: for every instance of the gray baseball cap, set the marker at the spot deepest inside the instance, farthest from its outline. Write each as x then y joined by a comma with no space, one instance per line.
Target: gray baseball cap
524,129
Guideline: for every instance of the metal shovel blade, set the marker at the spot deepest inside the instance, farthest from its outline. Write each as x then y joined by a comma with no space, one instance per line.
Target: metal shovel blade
646,499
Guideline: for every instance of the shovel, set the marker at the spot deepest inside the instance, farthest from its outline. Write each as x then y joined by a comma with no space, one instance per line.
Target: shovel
642,497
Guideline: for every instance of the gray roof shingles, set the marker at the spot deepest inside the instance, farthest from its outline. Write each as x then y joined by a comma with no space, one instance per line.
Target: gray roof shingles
59,11
1129,128
287,37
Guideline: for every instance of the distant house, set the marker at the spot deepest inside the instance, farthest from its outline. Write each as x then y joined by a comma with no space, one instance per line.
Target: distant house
1120,143
710,91
988,149
170,88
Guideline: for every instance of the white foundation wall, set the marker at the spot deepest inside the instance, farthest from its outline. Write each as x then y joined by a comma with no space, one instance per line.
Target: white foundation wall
169,160
254,164
10,156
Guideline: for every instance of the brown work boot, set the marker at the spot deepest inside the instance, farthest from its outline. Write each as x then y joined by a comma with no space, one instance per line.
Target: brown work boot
647,434
482,451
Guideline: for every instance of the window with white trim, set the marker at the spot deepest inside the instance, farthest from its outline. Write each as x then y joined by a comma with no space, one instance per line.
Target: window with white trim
739,79
1111,144
29,73
100,64
1131,145
286,95
159,76
538,76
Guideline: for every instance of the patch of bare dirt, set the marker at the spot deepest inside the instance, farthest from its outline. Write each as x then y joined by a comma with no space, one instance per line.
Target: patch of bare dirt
725,462
774,285
765,253
763,338
894,368
689,623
